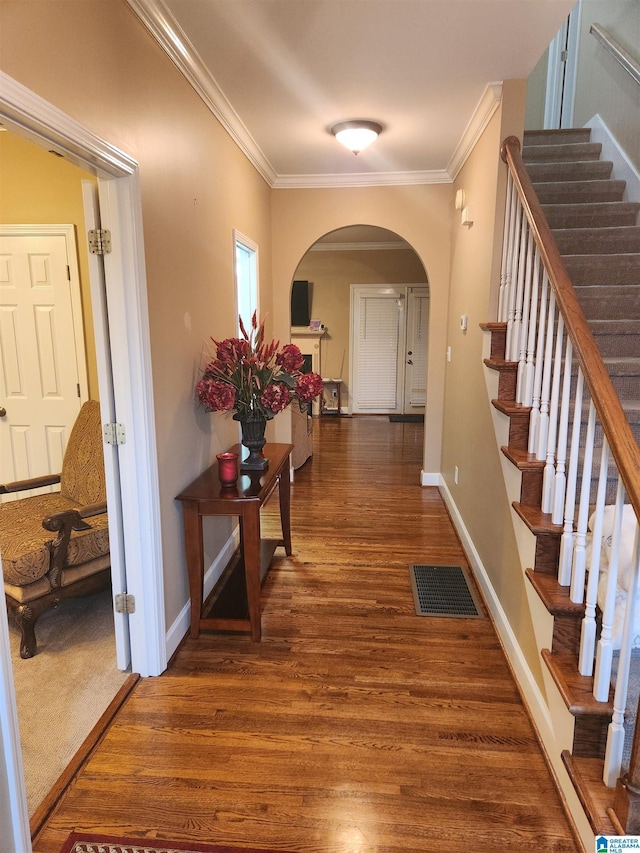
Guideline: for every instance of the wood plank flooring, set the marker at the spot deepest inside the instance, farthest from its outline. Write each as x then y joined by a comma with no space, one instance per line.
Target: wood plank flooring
354,726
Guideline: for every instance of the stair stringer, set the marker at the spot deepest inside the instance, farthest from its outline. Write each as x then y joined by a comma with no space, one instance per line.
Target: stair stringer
554,723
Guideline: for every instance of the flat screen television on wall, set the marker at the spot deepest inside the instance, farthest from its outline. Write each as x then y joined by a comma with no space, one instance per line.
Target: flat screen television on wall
300,304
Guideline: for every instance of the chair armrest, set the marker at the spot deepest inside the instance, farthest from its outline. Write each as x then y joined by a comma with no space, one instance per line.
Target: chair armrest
92,509
33,483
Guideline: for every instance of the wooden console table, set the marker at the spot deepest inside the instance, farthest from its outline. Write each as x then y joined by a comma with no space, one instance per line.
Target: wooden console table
206,496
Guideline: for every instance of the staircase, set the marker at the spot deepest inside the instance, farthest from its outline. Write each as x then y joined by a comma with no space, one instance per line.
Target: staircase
598,238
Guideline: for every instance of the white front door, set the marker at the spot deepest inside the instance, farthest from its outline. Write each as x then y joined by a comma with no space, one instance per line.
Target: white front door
389,327
415,381
43,379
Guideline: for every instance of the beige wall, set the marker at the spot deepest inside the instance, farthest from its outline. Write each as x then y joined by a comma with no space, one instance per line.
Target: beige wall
536,94
604,88
331,274
196,187
38,188
421,215
475,269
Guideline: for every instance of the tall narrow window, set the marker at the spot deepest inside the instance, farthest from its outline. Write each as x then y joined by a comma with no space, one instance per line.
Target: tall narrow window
246,276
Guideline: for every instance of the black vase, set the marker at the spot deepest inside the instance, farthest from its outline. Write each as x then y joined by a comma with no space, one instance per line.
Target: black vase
253,438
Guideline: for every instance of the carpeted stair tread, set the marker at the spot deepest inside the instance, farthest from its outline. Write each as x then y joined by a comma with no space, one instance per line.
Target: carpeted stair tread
604,214
556,137
567,192
582,170
605,269
598,241
555,153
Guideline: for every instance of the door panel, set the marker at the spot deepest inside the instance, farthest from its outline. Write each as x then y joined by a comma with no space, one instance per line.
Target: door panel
41,383
415,385
390,327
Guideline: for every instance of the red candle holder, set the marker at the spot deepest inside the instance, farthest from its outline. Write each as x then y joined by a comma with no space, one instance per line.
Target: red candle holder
227,468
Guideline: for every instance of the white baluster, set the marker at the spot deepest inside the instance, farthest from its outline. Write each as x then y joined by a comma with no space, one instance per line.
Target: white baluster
524,329
515,253
534,417
567,539
547,367
517,314
549,468
507,245
604,656
580,541
529,372
588,633
559,485
615,734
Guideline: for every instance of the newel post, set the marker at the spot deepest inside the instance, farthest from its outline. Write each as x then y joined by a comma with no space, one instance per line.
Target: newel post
626,803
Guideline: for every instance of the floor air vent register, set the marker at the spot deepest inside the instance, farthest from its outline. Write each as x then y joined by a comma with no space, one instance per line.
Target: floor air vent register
444,591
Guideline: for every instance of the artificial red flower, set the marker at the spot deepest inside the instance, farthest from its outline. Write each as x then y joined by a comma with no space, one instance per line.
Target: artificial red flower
216,395
308,386
290,358
276,397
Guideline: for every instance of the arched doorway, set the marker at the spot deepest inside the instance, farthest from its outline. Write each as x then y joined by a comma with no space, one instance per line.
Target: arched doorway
367,298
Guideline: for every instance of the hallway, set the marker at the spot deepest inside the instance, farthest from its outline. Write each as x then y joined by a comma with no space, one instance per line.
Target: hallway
354,726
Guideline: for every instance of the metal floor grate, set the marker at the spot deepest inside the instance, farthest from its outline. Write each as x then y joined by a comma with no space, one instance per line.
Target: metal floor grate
444,591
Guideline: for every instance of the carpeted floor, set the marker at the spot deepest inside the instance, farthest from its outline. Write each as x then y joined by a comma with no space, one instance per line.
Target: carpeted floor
62,692
79,842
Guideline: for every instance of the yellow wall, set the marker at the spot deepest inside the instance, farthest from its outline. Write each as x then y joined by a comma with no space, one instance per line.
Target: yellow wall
480,494
196,187
421,215
331,273
38,188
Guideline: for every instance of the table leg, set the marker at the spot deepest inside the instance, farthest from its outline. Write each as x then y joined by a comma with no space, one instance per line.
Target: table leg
284,495
251,553
195,562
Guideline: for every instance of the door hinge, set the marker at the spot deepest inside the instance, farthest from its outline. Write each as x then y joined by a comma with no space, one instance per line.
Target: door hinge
114,433
99,241
125,603
78,390
564,55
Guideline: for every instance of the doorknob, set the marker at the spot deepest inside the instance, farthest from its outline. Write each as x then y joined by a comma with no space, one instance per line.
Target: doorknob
3,411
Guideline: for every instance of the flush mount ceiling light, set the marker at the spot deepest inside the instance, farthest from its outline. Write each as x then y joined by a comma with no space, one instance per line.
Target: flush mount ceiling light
356,135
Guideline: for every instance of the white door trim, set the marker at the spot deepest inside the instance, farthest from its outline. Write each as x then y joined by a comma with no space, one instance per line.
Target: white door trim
562,74
30,116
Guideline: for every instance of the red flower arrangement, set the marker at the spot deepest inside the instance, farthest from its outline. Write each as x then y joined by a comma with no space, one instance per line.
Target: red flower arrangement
254,378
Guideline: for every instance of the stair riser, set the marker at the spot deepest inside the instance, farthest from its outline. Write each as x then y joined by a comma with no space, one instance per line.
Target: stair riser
566,136
621,345
591,170
557,153
607,241
619,308
603,269
613,215
580,193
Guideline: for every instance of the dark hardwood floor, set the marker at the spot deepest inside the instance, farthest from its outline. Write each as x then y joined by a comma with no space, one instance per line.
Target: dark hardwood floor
354,726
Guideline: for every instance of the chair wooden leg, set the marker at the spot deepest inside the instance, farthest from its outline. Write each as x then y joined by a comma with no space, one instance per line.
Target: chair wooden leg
25,617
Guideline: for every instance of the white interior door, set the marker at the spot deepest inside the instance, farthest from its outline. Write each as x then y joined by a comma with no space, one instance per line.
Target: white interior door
415,378
43,379
389,328
108,414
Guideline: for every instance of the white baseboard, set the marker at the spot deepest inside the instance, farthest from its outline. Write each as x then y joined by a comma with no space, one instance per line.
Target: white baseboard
182,623
623,168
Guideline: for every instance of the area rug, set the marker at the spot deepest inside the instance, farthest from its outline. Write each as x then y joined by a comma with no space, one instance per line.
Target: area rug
82,842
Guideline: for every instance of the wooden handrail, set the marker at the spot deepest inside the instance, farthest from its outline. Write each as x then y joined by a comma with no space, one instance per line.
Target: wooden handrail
623,445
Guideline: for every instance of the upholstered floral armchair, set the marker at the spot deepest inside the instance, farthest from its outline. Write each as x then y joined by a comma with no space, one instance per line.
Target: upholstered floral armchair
41,569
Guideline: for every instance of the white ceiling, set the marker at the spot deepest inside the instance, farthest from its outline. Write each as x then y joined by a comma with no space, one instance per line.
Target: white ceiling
279,73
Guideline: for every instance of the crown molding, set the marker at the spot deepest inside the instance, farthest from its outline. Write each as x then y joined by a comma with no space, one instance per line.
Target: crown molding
395,245
487,105
167,32
361,179
159,21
